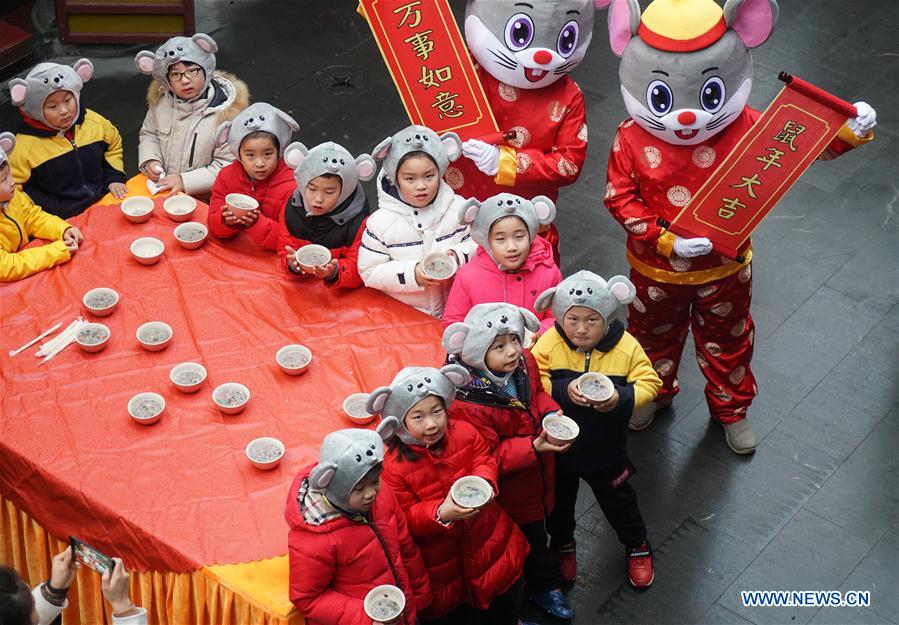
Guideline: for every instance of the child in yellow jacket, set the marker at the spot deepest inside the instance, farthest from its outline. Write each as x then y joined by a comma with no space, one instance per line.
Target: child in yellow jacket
69,156
589,335
21,220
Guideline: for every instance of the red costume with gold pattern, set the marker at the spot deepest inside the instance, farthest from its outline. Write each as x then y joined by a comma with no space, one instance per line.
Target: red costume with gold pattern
547,151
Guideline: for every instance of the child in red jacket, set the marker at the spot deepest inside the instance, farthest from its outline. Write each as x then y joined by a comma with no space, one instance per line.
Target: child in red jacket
474,556
349,535
506,402
513,264
329,208
258,136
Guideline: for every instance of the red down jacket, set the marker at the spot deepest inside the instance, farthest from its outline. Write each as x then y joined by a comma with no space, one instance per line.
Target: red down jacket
526,478
271,193
471,561
335,564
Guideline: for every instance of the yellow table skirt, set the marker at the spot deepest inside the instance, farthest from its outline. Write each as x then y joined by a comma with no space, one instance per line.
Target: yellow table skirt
239,594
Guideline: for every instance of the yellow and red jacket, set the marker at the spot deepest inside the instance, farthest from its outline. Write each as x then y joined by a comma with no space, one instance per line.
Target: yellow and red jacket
64,173
22,220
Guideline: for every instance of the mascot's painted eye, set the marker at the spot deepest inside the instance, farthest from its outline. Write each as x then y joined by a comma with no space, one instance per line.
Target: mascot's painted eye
659,97
428,380
589,290
342,162
358,458
711,96
568,39
571,292
504,319
519,32
410,388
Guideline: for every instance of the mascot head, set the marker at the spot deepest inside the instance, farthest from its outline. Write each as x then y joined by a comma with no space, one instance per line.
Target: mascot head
686,70
529,44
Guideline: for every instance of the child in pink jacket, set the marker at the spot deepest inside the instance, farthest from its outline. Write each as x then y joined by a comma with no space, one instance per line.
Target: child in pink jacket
512,264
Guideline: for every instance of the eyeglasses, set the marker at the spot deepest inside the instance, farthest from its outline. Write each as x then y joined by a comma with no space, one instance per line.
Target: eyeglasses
188,73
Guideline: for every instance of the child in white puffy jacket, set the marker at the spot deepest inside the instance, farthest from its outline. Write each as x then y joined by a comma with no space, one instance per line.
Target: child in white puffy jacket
417,214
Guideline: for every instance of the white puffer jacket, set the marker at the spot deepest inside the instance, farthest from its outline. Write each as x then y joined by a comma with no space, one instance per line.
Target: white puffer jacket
181,135
397,236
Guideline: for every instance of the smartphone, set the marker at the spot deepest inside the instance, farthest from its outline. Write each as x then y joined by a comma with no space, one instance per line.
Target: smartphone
90,557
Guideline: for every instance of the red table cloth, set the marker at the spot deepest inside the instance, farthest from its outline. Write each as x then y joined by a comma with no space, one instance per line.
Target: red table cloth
181,494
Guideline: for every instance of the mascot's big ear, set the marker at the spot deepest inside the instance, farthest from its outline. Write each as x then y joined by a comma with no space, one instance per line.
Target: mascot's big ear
454,337
295,154
624,20
457,374
365,167
382,149
753,20
469,211
388,427
622,288
376,400
206,43
144,61
221,133
545,299
531,323
452,144
321,475
545,208
601,4
84,68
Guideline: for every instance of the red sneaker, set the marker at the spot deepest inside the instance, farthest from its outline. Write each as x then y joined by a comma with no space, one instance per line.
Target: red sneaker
639,566
567,555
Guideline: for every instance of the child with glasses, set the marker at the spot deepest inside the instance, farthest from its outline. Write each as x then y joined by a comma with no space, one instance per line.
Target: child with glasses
188,100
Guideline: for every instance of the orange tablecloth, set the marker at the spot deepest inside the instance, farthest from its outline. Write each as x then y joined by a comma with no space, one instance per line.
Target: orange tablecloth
180,495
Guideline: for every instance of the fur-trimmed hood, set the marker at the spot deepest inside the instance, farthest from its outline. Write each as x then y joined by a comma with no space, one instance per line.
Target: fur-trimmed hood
237,95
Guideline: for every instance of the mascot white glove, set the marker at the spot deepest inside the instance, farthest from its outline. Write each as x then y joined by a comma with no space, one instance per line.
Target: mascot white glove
691,248
484,155
866,120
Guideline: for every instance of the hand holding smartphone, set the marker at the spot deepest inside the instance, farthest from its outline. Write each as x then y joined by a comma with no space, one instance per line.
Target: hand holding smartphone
90,557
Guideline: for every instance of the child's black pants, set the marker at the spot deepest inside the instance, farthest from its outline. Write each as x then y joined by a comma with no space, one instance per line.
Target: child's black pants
619,504
541,568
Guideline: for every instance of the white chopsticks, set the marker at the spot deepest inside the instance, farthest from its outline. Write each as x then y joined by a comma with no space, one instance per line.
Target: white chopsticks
51,348
14,352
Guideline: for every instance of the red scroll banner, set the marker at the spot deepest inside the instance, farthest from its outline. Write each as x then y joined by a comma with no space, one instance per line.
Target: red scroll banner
768,160
427,58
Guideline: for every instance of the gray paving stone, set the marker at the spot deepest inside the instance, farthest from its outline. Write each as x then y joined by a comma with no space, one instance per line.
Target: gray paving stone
784,564
717,614
862,496
876,574
814,339
851,400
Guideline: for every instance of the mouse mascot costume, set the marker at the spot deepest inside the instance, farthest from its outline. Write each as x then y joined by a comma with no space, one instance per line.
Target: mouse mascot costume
523,54
686,74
